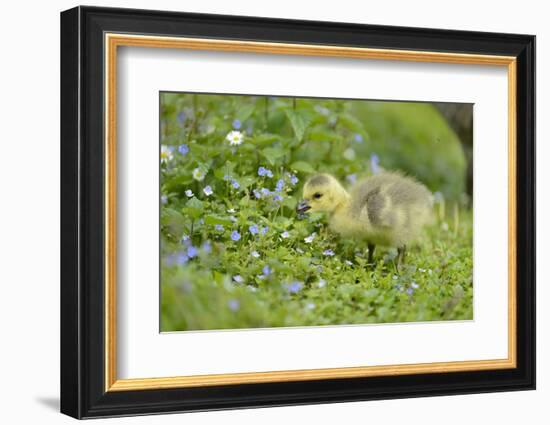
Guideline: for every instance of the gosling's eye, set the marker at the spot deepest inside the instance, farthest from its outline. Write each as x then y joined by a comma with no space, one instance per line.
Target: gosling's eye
317,195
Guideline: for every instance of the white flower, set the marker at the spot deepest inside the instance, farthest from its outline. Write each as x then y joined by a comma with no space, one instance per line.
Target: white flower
285,235
189,193
310,238
321,283
255,254
165,154
349,154
234,138
198,174
231,210
208,191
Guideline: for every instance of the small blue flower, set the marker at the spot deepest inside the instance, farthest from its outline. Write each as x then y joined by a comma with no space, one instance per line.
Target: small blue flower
207,247
294,287
410,291
164,199
294,180
266,270
254,229
192,252
235,183
257,193
185,240
348,262
208,190
264,230
358,138
322,283
265,191
181,258
236,124
285,235
238,278
233,305
219,227
227,177
328,252
374,163
310,306
235,235
183,149
352,178
189,193
264,172
181,117
278,198
255,254
280,185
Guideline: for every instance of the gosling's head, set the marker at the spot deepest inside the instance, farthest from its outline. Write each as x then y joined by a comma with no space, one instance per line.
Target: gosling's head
322,192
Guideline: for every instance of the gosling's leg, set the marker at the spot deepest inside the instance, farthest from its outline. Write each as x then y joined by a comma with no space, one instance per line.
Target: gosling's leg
371,247
401,252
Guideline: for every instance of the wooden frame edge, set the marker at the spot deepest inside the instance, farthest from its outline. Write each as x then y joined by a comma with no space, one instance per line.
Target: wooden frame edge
114,40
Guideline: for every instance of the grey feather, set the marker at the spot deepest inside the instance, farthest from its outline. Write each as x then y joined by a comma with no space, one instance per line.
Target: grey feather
318,180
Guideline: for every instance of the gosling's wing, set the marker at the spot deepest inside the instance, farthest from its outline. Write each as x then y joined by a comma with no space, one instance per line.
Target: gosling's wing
368,202
408,192
389,199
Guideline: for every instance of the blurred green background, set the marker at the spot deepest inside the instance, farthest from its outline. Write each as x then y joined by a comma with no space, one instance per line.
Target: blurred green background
234,254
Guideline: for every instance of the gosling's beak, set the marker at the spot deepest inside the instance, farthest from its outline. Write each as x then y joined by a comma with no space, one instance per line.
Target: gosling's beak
302,207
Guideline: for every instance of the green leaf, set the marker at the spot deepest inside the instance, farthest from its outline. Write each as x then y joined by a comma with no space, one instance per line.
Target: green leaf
213,219
193,208
246,181
244,112
323,136
290,203
273,154
265,139
352,123
298,123
302,166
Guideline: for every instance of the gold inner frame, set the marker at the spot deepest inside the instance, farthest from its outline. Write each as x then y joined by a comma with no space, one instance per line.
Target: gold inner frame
113,41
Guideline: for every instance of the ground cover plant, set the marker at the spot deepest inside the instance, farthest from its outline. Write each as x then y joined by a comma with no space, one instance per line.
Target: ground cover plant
234,253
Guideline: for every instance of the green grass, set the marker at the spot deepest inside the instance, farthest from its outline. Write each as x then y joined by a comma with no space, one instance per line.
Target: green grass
276,274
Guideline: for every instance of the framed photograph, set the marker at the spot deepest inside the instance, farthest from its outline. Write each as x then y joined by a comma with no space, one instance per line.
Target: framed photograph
261,212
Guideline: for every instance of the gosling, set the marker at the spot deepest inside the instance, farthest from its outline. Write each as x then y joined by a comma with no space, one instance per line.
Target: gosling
388,209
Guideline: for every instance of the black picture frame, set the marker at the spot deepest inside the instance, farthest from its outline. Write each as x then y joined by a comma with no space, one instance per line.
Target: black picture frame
82,206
